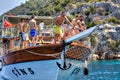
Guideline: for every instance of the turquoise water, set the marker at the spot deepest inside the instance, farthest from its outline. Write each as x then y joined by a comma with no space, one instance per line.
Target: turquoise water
103,70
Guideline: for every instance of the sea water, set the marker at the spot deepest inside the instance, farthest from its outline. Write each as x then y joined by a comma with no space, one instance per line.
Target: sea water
103,70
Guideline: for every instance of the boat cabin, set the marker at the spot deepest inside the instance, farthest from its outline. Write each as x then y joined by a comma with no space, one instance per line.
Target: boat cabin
10,33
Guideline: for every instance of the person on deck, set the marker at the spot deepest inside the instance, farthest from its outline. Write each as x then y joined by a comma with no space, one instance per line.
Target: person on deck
41,26
58,26
33,30
25,34
20,27
42,31
74,29
66,31
77,25
82,22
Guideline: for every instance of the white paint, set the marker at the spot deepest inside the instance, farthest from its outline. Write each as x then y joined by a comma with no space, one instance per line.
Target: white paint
36,70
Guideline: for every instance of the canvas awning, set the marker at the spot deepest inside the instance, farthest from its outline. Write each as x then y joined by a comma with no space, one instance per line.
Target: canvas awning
16,19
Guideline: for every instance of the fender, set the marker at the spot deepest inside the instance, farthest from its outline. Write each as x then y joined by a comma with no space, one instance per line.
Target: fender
1,65
85,71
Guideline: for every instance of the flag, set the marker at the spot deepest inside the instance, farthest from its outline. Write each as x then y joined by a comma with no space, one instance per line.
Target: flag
7,24
10,14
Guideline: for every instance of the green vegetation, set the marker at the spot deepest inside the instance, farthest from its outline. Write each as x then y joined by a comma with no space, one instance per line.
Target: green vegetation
113,45
107,13
92,9
40,7
114,20
53,7
87,12
93,41
100,11
90,24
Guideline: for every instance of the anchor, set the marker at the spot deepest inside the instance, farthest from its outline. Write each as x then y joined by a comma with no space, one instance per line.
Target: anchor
65,67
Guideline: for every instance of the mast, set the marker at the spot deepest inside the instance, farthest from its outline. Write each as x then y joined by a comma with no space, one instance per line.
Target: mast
2,34
2,26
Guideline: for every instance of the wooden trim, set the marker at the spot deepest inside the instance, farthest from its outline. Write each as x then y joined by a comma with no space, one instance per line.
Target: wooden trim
23,55
34,53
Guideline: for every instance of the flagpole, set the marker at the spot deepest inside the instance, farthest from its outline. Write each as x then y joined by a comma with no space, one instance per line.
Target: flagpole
3,25
2,28
4,32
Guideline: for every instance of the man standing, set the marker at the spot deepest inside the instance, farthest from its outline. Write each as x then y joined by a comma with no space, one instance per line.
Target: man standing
41,26
58,26
33,30
25,34
20,27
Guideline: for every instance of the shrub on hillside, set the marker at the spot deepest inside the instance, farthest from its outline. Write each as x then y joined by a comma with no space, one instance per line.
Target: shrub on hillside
90,24
114,20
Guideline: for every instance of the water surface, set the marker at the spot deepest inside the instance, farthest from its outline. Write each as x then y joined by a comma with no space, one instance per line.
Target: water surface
103,70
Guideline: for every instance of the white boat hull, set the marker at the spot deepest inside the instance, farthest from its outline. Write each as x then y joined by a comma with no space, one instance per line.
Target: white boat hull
75,72
35,70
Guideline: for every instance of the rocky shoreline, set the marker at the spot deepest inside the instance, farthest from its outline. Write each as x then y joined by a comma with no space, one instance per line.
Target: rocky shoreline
108,57
109,42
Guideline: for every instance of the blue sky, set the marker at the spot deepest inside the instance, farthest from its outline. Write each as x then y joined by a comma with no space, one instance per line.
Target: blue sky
6,5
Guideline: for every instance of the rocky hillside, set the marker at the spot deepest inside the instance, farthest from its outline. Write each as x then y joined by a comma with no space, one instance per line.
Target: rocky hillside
102,10
107,15
99,12
109,41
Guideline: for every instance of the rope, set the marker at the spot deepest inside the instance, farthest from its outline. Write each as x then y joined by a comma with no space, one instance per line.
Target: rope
53,55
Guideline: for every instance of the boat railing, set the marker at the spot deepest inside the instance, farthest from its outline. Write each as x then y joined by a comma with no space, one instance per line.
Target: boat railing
11,41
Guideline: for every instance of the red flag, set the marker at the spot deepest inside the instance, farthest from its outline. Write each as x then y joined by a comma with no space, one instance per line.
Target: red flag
10,14
7,24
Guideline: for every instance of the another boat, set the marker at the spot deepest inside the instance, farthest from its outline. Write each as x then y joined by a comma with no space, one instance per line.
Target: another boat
39,62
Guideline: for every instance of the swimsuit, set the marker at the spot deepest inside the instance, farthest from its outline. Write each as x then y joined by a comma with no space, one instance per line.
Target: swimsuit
57,30
21,36
25,36
33,32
